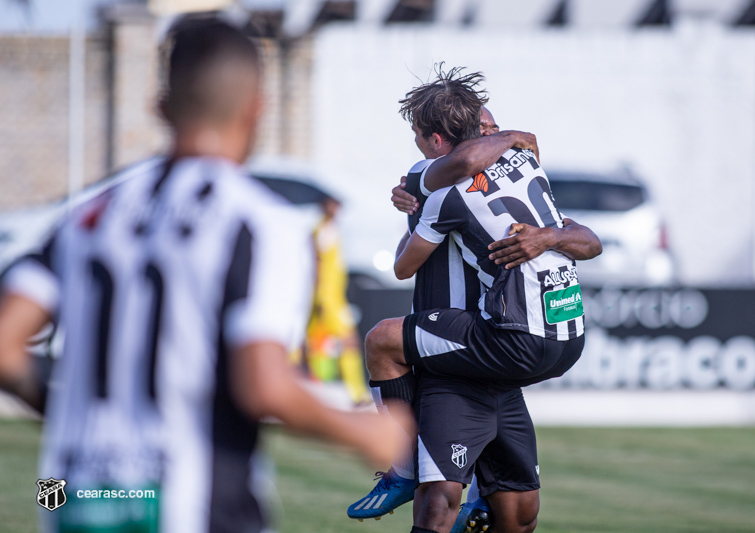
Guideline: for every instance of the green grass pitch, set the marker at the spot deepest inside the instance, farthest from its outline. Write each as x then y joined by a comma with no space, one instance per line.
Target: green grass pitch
593,480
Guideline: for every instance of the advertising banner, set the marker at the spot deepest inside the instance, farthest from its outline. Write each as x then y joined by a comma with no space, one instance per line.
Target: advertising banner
666,339
650,338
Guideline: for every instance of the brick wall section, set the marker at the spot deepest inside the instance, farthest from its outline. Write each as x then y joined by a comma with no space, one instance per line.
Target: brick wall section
270,134
285,127
96,110
138,132
34,125
34,107
296,91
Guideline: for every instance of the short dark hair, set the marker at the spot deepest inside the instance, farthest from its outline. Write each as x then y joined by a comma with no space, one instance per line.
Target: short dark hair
196,45
449,106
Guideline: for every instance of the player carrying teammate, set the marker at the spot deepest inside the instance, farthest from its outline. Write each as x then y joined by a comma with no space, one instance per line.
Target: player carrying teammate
499,341
179,300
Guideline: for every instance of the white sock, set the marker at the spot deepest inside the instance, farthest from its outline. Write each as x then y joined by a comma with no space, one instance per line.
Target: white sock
378,399
404,466
474,490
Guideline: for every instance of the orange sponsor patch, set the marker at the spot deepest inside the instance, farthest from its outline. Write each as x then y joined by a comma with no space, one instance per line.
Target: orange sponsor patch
480,183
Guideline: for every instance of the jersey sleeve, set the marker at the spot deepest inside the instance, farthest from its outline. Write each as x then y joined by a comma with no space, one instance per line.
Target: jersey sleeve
269,285
33,277
413,181
444,212
424,190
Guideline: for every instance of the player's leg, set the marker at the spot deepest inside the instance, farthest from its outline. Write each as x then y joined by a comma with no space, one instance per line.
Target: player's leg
384,350
457,419
391,379
507,470
514,511
389,345
475,511
390,383
474,490
436,505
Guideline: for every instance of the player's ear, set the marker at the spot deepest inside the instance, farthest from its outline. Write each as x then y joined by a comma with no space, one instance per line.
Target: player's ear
259,104
250,117
437,140
253,107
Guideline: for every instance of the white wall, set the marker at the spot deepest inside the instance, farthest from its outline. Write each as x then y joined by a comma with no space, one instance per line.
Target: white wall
679,106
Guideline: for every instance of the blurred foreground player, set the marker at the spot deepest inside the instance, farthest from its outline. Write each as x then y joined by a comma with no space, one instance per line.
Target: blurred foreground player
179,299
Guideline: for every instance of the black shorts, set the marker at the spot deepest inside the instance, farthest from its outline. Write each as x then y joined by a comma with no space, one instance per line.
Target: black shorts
454,342
468,427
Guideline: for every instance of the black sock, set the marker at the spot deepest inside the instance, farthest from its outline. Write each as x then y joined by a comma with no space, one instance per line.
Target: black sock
416,529
400,389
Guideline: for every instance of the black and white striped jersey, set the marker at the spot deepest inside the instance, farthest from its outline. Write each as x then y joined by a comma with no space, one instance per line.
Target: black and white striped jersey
444,281
156,280
542,296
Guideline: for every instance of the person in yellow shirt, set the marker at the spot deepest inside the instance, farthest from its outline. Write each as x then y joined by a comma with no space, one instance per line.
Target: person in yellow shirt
333,345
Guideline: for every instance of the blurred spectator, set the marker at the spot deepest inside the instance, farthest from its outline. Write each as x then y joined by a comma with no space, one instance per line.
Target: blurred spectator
333,345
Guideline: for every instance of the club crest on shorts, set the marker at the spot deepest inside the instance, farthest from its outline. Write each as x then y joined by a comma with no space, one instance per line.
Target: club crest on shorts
459,455
51,494
433,317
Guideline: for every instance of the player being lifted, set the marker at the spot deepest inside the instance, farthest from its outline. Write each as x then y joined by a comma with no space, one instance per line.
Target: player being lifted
472,363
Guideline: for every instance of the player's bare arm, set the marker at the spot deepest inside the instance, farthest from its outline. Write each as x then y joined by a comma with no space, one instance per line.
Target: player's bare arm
402,243
526,242
414,253
20,319
473,156
264,384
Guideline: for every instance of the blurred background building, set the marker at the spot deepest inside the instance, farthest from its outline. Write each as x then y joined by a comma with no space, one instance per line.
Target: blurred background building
664,88
644,110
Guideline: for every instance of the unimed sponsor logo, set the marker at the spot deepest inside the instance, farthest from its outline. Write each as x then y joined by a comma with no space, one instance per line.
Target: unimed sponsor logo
563,305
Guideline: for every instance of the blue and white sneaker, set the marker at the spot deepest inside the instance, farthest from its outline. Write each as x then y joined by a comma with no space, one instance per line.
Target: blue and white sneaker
474,517
391,491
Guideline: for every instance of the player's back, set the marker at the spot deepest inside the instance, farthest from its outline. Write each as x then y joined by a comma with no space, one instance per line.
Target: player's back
444,280
158,276
540,296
